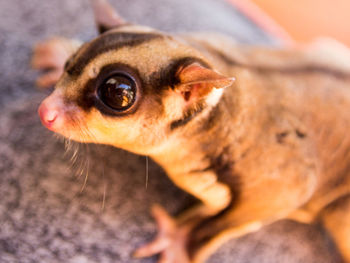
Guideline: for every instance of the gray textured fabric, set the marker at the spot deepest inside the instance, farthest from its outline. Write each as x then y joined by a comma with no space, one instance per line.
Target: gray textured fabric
47,211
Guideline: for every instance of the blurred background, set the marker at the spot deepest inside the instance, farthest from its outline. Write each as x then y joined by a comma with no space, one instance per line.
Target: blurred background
301,21
97,209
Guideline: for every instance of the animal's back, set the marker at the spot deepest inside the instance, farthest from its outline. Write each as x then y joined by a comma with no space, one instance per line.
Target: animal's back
310,86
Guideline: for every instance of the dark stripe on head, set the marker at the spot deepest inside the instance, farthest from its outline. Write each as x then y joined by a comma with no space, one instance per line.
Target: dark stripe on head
166,77
308,69
211,121
300,69
188,116
105,43
104,28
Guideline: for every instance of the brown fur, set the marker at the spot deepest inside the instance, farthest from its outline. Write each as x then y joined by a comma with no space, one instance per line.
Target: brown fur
272,145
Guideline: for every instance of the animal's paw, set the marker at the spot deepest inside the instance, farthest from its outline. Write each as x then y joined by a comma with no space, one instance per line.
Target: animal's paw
170,242
51,55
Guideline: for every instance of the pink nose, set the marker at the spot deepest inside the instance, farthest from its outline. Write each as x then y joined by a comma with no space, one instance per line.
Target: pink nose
48,115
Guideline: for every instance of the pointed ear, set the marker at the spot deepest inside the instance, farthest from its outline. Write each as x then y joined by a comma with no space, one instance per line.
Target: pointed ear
197,81
105,16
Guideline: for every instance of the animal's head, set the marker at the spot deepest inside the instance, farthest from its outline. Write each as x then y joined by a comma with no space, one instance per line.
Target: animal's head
131,87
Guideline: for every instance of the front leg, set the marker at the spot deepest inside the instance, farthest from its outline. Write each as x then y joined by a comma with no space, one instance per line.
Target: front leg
51,55
173,233
274,181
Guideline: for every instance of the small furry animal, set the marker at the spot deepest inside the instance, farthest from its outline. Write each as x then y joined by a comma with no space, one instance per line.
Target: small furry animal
256,134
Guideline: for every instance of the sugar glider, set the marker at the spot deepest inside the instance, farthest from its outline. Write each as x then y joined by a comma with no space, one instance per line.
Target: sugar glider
256,134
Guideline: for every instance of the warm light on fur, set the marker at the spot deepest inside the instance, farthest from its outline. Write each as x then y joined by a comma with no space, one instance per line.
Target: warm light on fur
256,134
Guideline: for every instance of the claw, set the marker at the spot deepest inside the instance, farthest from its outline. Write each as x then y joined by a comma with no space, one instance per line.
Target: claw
165,225
163,219
153,248
170,241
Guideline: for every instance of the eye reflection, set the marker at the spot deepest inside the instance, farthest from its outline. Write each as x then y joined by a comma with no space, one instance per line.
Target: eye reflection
118,92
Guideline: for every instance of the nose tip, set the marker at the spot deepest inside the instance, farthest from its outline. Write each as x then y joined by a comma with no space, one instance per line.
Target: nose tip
47,115
51,116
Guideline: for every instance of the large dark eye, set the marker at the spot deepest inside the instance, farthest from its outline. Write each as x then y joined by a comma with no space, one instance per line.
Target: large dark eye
118,92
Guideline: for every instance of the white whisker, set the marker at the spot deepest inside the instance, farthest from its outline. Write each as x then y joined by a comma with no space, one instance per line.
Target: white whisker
86,178
81,168
75,154
87,167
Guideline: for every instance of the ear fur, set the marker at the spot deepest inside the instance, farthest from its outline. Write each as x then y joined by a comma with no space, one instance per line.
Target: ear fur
105,16
197,81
